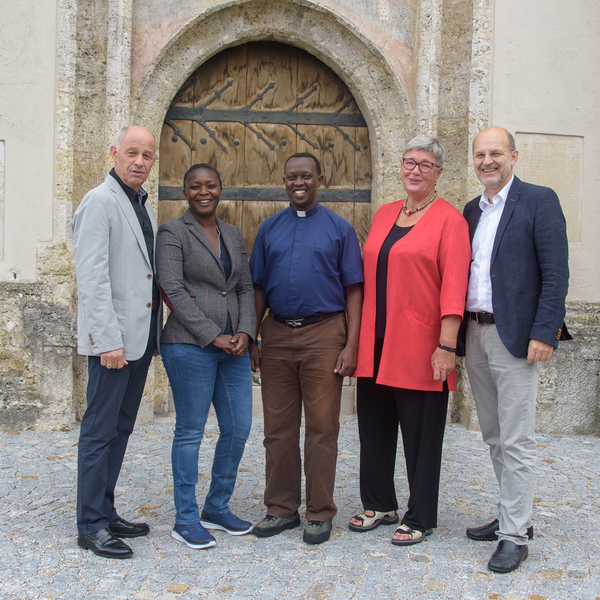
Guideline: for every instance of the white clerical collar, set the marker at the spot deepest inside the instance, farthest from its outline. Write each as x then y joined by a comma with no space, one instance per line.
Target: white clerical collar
305,213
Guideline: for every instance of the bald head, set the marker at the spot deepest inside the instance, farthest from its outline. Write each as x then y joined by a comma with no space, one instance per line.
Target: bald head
134,154
133,129
500,131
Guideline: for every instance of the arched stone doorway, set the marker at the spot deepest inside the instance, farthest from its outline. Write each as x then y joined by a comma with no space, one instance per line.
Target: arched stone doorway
245,111
377,90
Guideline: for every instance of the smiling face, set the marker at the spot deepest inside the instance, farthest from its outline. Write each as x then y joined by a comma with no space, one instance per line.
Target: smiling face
135,156
493,160
418,185
301,182
202,190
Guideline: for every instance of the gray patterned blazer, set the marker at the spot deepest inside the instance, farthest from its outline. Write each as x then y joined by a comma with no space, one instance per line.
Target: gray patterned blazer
193,283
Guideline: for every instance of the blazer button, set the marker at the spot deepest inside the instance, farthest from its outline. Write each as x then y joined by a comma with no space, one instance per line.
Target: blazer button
223,294
149,275
149,305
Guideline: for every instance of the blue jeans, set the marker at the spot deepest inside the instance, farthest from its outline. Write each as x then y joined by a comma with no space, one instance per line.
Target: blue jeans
199,376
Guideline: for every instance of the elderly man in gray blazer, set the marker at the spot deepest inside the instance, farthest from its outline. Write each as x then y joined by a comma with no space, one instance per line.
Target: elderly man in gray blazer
118,322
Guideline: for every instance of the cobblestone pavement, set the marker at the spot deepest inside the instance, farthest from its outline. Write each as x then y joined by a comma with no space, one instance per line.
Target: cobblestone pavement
39,557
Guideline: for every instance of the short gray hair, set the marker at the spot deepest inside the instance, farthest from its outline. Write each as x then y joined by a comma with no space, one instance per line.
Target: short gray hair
427,143
121,136
511,140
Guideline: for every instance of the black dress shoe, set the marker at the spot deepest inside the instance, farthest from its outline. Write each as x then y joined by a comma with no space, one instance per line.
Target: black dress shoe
507,557
125,529
104,543
489,532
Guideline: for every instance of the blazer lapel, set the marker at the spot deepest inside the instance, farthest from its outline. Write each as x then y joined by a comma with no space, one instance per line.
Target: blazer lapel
125,205
198,232
473,220
513,196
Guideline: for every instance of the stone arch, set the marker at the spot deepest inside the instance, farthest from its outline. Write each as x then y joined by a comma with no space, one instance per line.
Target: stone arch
372,81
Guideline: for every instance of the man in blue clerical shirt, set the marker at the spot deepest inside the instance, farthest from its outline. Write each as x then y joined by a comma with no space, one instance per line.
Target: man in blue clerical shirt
307,270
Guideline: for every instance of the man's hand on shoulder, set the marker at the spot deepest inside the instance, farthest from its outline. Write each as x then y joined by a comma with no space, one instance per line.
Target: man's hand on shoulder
538,351
113,359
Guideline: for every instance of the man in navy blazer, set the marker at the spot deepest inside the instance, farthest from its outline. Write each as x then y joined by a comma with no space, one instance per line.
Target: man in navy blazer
514,314
118,322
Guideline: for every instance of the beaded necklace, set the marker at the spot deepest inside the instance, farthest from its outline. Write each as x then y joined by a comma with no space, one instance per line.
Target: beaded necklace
412,211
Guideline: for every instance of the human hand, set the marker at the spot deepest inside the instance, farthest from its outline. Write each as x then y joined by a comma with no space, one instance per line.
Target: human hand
443,363
255,358
346,361
538,351
224,341
113,359
240,341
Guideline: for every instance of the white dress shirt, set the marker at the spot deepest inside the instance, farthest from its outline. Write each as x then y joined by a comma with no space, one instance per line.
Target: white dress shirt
479,293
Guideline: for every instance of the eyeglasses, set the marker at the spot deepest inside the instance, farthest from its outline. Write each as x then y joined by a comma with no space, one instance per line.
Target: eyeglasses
410,164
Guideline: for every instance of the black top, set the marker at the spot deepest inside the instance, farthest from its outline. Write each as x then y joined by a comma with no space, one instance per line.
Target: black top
226,263
395,234
145,224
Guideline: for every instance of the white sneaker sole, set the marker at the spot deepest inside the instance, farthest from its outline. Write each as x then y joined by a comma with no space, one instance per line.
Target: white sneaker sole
211,525
180,538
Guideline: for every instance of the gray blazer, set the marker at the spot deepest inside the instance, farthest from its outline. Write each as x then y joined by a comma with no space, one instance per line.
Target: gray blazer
114,274
193,283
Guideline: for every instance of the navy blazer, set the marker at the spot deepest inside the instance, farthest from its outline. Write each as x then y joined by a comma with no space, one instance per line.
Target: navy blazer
529,267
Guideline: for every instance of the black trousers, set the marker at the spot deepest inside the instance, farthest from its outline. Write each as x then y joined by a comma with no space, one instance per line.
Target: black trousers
422,417
113,400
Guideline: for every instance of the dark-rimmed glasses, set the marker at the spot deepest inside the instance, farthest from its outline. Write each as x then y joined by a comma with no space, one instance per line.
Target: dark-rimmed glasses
424,166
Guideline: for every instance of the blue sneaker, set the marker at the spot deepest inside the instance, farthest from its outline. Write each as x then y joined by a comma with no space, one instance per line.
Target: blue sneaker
193,535
225,521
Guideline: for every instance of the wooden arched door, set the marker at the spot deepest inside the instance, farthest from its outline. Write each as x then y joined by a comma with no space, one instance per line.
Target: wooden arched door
245,111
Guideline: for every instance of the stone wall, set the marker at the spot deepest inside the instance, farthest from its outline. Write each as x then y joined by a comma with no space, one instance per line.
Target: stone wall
569,393
414,66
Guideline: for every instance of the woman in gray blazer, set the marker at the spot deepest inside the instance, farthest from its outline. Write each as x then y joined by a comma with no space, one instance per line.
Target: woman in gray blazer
203,272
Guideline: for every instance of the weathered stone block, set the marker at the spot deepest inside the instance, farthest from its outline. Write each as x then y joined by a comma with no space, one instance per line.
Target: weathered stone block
568,399
36,373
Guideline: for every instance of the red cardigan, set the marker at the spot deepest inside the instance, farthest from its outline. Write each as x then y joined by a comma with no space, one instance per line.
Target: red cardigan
427,279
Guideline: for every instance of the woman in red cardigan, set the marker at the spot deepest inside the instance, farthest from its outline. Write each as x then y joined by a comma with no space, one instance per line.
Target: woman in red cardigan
416,262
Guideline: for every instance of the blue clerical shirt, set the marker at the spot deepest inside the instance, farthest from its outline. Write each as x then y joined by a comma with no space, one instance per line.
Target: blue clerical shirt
304,259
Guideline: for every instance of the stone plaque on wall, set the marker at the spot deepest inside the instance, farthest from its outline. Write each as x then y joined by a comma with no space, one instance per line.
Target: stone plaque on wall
555,161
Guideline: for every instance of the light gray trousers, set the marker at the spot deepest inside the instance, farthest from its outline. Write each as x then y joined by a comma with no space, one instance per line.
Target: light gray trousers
505,392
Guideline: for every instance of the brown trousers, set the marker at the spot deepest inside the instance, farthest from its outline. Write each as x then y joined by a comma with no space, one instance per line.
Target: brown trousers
297,367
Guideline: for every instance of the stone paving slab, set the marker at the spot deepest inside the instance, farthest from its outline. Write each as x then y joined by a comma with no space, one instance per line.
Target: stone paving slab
39,558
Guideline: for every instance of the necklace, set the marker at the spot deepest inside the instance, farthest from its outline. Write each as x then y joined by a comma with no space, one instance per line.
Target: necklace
412,211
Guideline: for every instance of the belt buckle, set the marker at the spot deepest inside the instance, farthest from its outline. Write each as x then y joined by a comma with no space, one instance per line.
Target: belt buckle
294,322
480,322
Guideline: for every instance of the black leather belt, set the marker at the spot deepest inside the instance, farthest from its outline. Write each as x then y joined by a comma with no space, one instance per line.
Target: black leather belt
303,321
483,318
